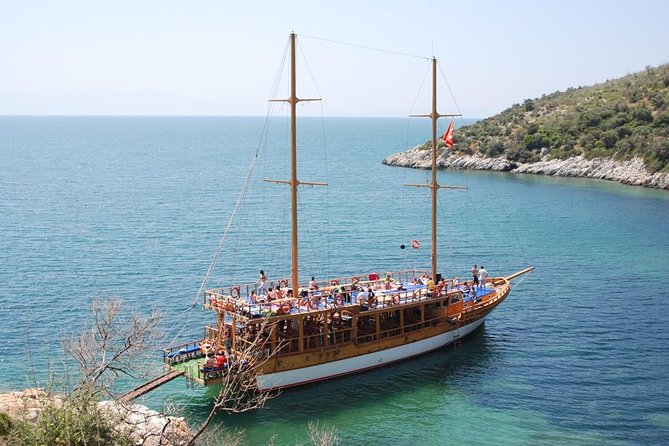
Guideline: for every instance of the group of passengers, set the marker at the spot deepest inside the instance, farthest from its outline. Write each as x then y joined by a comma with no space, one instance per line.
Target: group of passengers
271,295
479,276
433,289
470,290
264,293
219,361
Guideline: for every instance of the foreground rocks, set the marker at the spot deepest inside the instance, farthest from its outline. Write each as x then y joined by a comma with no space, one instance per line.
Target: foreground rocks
145,426
148,427
632,172
26,405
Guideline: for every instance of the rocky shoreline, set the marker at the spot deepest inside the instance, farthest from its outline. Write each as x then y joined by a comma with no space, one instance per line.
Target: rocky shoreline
145,426
631,172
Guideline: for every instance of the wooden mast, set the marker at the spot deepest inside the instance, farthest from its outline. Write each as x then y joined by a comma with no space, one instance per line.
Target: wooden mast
294,182
434,185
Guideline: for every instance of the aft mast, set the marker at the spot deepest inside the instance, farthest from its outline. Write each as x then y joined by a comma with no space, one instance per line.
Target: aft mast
294,182
434,185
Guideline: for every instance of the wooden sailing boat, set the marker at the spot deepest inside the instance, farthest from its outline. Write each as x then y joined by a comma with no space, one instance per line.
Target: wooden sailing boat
343,325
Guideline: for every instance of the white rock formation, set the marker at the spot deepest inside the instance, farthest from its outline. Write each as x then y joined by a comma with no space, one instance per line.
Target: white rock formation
631,172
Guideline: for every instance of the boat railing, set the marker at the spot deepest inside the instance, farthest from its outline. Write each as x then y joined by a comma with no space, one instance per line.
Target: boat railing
368,333
211,332
244,290
315,340
182,352
339,328
404,276
248,341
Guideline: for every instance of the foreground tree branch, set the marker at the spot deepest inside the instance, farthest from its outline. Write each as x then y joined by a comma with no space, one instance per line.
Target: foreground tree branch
111,346
239,383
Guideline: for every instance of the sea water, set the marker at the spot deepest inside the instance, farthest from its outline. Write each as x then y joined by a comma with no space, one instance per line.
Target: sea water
135,207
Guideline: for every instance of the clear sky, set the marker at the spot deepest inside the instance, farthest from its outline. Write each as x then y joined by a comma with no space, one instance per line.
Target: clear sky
217,57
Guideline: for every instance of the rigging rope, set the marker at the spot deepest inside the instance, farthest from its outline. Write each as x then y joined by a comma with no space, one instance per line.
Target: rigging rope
240,199
325,155
515,285
443,76
217,253
381,50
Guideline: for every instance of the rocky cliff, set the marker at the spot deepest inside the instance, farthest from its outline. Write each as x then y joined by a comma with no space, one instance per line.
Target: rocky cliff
632,172
617,130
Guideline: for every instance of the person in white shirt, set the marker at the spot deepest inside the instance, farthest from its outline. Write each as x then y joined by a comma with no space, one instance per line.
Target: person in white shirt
483,275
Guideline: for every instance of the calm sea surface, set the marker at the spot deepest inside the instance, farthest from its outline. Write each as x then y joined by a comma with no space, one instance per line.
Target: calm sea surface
135,207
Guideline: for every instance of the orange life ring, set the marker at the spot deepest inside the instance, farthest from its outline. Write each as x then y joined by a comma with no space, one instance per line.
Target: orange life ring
334,282
234,292
339,300
283,283
396,299
284,309
313,304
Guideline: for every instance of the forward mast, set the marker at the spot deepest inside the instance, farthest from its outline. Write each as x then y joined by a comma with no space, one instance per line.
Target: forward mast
294,182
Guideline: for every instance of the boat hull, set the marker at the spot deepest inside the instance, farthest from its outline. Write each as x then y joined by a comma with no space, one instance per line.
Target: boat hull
360,363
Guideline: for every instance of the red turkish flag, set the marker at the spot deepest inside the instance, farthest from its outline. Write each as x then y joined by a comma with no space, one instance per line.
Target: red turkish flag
448,136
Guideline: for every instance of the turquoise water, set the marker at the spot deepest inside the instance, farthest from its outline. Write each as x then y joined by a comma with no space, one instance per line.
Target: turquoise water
135,207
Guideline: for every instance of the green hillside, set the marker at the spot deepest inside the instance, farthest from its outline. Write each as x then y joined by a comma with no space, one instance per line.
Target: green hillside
619,118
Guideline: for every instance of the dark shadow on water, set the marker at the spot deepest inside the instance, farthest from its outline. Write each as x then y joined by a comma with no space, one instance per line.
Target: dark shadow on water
444,368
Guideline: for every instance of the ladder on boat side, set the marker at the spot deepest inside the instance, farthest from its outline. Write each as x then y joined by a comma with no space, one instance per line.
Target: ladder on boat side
457,339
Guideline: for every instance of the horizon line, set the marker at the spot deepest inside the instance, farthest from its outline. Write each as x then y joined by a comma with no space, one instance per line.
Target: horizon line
74,115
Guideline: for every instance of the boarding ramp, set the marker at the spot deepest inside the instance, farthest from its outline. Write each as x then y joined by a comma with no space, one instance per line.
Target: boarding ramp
150,385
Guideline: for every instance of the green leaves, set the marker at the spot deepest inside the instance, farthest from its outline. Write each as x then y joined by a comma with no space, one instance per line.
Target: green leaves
619,118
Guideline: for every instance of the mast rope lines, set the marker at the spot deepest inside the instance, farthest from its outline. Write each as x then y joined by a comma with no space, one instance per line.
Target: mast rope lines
235,210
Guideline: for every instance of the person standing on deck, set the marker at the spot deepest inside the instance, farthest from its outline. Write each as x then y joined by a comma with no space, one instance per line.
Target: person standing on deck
475,276
483,275
262,284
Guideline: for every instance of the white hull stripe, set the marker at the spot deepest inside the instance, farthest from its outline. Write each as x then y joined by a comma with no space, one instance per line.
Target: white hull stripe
359,363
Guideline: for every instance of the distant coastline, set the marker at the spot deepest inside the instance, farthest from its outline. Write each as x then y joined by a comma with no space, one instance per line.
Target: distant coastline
631,172
617,130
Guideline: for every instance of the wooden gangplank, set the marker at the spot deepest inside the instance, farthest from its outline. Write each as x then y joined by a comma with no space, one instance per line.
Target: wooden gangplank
150,385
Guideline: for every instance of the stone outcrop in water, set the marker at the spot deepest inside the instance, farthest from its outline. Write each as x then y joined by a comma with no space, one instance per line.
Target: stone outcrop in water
632,172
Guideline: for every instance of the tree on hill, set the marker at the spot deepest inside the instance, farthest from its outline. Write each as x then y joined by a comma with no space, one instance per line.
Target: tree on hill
620,118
